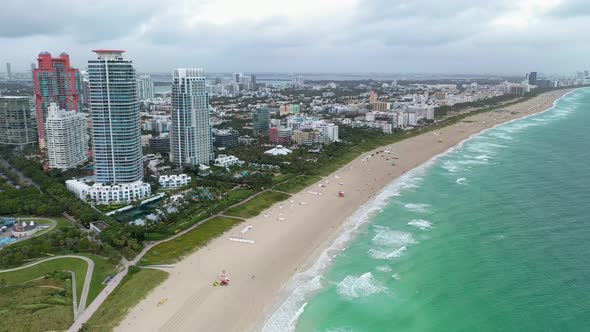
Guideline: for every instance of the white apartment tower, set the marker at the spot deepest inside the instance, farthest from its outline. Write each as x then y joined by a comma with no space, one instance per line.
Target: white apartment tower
191,140
65,135
145,87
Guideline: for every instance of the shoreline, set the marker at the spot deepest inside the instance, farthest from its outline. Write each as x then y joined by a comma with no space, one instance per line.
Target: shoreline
298,234
341,239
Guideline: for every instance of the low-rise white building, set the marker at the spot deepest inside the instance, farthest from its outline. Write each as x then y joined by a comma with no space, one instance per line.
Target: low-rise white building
24,229
227,161
106,194
279,150
174,181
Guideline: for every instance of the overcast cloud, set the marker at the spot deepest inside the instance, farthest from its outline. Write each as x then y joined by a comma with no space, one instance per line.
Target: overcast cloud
442,36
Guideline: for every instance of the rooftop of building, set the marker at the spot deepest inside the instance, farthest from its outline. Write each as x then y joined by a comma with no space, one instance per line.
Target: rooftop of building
101,51
188,72
101,225
24,226
15,97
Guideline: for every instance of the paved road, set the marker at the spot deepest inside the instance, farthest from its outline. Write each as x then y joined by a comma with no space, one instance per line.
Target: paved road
82,305
21,177
74,293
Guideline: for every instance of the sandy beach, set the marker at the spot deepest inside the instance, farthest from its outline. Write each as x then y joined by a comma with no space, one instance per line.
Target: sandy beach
290,236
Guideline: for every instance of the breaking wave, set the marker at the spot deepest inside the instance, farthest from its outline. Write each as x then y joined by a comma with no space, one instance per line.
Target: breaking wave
420,223
417,207
353,287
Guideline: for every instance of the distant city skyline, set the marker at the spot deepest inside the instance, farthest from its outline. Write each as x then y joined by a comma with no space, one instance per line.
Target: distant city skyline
420,36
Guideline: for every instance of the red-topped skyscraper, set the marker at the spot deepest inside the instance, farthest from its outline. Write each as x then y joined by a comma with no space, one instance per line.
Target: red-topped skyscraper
55,82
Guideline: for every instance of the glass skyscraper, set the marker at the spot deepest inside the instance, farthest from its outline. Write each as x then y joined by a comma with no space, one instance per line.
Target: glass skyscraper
116,131
191,140
18,124
261,121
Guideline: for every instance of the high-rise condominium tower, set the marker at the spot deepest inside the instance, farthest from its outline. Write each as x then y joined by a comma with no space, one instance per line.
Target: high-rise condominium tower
18,126
116,134
55,82
532,78
145,87
8,71
190,135
261,121
65,134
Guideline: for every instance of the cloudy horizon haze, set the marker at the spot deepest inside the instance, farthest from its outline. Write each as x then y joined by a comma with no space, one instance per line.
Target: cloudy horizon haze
390,36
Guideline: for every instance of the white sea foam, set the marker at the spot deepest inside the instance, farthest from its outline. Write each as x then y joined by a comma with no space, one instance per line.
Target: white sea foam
540,120
501,135
482,157
411,183
383,268
518,126
417,207
485,147
353,287
461,180
388,237
386,254
472,162
420,223
293,322
303,284
451,166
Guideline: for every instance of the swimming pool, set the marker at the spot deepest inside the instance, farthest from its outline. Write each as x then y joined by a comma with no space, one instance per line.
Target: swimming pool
6,241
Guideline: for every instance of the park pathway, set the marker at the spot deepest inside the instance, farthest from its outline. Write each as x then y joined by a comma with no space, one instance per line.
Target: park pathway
89,271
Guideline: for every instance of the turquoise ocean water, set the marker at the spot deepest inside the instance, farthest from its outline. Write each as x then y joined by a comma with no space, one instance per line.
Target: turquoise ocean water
492,236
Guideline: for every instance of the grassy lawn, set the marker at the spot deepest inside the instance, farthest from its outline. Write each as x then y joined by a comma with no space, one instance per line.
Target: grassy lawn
282,177
298,183
76,265
173,250
258,204
130,291
238,195
41,305
102,268
180,225
61,223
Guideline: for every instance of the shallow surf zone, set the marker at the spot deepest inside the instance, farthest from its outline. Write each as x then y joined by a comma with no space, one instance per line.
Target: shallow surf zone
353,287
421,223
304,284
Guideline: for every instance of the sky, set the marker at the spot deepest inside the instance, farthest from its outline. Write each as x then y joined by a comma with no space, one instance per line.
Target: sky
384,36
